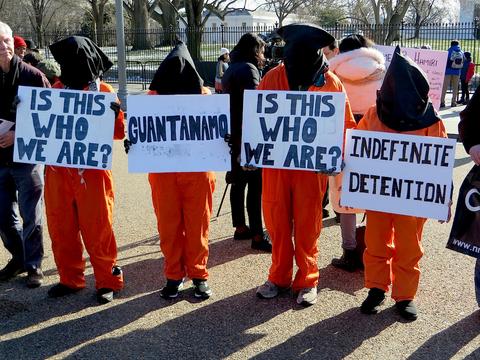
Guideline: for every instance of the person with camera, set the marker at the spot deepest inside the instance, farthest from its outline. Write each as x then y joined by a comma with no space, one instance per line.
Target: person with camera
247,58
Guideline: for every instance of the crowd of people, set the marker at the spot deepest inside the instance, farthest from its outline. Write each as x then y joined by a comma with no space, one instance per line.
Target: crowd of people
79,202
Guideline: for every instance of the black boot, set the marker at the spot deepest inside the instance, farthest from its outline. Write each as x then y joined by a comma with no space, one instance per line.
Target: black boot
375,298
348,261
407,309
12,269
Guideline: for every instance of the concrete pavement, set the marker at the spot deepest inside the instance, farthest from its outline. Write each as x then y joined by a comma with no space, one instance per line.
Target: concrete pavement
234,323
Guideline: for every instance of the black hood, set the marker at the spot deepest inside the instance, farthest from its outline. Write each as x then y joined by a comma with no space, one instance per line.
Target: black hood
303,58
177,74
402,101
80,60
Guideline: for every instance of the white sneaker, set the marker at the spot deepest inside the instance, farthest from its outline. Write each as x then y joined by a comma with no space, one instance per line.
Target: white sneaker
307,296
267,291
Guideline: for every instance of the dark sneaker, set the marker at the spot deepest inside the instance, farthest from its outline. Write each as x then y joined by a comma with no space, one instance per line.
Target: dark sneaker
171,289
325,213
12,269
349,261
262,243
34,278
407,309
60,290
201,289
104,295
242,235
372,303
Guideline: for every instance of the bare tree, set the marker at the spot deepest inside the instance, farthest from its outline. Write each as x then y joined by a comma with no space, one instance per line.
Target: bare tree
283,8
140,11
422,12
40,13
97,12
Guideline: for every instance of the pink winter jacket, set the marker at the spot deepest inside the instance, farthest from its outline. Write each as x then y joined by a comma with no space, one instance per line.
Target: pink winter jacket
361,72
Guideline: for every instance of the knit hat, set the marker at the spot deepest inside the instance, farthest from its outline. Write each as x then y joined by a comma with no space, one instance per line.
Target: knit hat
31,44
19,42
224,51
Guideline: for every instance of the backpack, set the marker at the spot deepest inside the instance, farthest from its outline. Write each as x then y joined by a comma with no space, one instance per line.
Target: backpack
457,59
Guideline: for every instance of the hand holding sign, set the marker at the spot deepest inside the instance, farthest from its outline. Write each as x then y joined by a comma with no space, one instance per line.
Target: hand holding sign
475,154
7,139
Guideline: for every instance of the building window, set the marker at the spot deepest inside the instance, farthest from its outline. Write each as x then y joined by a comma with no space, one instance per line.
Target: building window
476,11
244,25
214,25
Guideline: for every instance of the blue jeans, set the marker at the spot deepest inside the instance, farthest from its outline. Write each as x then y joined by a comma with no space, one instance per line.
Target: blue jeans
477,280
21,186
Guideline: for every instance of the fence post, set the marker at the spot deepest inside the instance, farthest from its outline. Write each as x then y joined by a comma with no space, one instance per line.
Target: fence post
223,29
401,32
121,57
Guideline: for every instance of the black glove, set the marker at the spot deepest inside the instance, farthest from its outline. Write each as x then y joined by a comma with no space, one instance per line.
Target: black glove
228,140
115,107
126,144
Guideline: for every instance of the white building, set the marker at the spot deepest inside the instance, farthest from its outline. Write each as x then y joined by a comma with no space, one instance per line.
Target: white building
249,19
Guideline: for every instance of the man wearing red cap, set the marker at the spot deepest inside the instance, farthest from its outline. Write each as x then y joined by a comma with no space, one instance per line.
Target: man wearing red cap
20,46
21,185
292,199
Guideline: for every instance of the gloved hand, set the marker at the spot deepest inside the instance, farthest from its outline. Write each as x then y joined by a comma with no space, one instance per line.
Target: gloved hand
127,144
332,171
248,167
115,107
228,140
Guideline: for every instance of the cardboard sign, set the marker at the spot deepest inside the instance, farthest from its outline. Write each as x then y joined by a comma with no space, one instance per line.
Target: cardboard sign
5,126
432,62
464,237
300,130
178,133
67,128
397,173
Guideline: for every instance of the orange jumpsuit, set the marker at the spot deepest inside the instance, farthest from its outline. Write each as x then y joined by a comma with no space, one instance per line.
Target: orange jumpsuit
394,241
183,204
292,203
80,201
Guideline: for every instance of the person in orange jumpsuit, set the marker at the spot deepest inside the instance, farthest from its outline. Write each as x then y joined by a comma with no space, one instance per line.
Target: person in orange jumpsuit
292,199
394,241
182,200
79,202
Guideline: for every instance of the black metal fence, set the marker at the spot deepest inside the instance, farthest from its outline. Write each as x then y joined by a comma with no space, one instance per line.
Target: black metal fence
146,49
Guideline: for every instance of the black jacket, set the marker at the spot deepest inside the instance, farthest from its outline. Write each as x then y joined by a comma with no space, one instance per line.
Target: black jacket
469,126
240,76
20,74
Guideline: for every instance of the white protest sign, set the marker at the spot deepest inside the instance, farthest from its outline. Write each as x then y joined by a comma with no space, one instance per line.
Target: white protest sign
178,133
293,129
5,126
398,173
67,128
432,62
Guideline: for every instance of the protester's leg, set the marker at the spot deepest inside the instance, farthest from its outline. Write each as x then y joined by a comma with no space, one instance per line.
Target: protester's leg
62,221
408,252
348,225
29,182
10,227
477,280
95,199
467,93
237,199
446,83
166,198
277,212
254,202
308,192
197,191
464,86
378,254
455,80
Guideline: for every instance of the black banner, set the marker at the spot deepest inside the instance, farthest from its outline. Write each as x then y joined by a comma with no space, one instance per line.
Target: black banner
465,234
